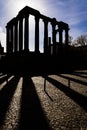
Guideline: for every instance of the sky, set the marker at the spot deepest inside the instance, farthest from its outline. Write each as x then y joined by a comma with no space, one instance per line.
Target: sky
73,12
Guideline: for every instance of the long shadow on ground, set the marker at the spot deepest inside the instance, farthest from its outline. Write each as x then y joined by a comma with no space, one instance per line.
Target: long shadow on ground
5,97
77,97
4,78
80,74
73,79
31,115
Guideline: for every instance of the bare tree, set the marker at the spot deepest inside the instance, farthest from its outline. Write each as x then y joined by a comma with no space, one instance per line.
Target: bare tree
80,41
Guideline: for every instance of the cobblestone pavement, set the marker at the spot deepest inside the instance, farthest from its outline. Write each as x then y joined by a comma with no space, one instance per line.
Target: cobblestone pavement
62,99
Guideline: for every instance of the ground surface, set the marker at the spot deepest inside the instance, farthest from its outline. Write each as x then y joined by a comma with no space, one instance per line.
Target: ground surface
57,103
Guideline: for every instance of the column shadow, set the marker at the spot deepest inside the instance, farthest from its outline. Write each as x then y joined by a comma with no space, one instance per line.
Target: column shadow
45,88
80,74
5,97
75,96
32,116
5,78
1,74
73,79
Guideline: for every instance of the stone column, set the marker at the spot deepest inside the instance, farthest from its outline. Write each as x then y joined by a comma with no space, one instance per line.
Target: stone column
11,46
49,46
26,33
21,34
7,39
66,37
54,35
36,34
45,36
16,36
60,35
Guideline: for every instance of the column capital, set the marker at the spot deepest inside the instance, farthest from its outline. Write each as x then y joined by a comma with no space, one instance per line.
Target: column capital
26,15
20,20
36,14
11,23
67,29
60,29
53,22
37,18
45,20
19,17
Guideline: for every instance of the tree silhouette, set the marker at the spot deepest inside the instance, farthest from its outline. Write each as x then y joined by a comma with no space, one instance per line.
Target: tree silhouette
80,41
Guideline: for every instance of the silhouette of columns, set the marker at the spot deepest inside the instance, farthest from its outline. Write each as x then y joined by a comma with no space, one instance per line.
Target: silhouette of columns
54,35
60,35
11,50
45,36
15,31
66,37
16,36
49,46
36,34
21,34
26,32
7,39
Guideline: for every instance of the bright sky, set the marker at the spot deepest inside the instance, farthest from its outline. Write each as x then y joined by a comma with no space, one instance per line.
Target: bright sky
73,12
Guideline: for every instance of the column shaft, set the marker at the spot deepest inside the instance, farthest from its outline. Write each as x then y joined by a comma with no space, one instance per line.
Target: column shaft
7,39
11,43
45,36
20,34
54,38
26,33
36,34
16,37
49,46
60,36
66,37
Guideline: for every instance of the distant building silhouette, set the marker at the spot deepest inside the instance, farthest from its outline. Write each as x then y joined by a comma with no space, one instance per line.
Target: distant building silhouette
15,32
